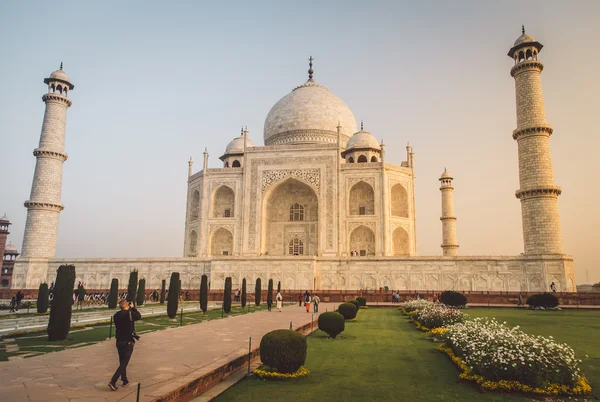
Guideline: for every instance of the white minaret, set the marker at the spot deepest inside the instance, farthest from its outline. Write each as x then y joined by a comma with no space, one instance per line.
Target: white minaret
43,206
449,242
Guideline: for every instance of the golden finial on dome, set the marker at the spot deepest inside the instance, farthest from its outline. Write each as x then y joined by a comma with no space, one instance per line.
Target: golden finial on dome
310,69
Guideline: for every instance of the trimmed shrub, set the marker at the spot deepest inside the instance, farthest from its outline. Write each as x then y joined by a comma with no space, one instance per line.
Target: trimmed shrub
227,295
113,295
283,350
452,298
546,300
163,291
43,300
204,293
362,301
173,298
348,310
332,323
141,293
270,294
278,286
132,286
257,292
59,323
356,303
244,293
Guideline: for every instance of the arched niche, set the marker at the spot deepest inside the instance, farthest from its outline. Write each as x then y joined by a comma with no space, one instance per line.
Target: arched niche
399,201
221,242
362,199
362,241
223,203
400,242
195,205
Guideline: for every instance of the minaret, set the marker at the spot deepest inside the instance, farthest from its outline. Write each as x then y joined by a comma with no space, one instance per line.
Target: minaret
190,163
538,193
449,242
43,206
4,224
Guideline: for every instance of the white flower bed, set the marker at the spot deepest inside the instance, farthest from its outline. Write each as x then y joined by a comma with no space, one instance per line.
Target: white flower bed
438,315
498,352
413,305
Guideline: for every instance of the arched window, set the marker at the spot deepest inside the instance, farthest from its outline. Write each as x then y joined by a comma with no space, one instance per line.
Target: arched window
52,88
296,247
362,159
362,199
59,89
296,212
195,207
236,163
373,158
528,54
227,164
223,203
399,200
4,283
193,243
521,56
350,160
65,91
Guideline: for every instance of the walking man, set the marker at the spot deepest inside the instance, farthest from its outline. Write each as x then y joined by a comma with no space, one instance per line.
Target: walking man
316,302
125,334
553,287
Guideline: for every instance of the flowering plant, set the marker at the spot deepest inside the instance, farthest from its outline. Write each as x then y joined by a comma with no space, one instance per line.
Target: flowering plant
438,315
413,305
267,372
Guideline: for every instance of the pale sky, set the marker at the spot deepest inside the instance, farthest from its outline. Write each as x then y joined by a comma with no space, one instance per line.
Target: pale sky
156,82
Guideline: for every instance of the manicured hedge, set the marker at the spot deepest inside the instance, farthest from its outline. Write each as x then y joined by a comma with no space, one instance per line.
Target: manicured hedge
132,286
270,294
163,291
59,323
348,310
113,295
283,350
356,303
257,292
362,301
204,293
332,323
227,295
173,298
546,300
141,293
244,293
42,300
454,299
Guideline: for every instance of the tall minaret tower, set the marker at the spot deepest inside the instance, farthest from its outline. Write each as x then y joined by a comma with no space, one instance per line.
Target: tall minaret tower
43,206
449,242
538,193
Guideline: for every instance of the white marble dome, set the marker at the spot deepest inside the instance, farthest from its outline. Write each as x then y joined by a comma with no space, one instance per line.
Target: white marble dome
525,38
363,139
236,146
308,114
11,249
60,75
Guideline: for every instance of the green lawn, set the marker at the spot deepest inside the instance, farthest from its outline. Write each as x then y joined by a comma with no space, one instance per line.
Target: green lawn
34,344
383,357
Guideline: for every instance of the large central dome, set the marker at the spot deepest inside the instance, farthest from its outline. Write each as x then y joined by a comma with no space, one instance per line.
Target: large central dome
309,114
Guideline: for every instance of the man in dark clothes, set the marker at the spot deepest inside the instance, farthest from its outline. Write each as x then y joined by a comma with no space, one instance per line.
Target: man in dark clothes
125,331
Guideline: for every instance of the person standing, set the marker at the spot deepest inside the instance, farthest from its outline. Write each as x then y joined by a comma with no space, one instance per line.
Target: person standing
307,301
279,299
125,336
21,295
300,299
553,287
519,300
316,302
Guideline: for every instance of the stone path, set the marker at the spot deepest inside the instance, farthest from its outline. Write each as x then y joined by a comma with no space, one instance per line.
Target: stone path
162,361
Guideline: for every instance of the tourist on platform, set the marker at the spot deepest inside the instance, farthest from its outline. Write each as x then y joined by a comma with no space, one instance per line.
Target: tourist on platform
236,295
316,302
13,304
125,336
279,300
519,300
307,301
553,287
20,295
300,298
187,296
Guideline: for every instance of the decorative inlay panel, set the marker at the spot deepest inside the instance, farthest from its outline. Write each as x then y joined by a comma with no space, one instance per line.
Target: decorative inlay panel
353,180
214,226
354,225
309,176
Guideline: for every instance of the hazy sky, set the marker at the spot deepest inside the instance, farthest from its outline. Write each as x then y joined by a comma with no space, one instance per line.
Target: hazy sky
156,82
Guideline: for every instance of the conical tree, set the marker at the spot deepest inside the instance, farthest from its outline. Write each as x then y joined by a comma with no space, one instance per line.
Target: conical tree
113,295
204,293
141,293
257,292
270,294
173,298
132,286
42,300
227,295
60,313
278,286
163,291
244,293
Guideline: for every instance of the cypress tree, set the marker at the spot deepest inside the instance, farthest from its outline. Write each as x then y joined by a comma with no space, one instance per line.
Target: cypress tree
60,313
227,295
257,292
113,295
42,300
132,286
162,291
141,293
204,293
173,298
244,293
270,294
278,286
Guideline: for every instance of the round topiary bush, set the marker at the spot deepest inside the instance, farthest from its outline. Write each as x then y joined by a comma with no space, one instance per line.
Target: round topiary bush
348,310
356,303
362,301
546,300
283,350
454,299
332,323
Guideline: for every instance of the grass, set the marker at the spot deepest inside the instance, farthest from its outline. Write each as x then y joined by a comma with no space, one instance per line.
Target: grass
381,356
34,344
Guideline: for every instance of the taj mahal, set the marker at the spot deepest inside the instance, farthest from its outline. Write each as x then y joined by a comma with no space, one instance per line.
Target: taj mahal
317,206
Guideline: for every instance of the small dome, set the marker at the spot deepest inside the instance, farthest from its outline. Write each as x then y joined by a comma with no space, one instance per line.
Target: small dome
236,146
60,75
4,218
524,38
11,249
446,175
363,139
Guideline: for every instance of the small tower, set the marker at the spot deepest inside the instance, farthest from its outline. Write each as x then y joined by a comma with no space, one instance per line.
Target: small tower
449,242
8,263
4,224
44,206
190,163
538,193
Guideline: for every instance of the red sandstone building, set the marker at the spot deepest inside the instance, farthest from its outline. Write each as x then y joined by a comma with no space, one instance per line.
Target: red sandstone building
8,252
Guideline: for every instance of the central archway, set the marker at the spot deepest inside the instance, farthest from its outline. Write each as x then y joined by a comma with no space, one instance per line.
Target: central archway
290,215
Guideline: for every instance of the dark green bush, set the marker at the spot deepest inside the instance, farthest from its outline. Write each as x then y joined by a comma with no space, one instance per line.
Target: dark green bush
132,286
204,293
452,298
546,300
141,293
113,295
163,291
244,293
257,292
227,295
356,303
270,294
348,310
332,323
362,301
59,323
283,350
42,300
173,298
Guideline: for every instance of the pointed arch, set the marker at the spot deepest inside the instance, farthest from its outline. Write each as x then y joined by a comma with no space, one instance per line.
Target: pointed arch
362,240
362,199
193,243
362,159
221,242
223,203
400,242
195,205
236,163
373,158
399,198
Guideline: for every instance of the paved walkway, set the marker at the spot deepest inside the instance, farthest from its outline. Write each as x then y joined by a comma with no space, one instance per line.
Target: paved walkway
162,361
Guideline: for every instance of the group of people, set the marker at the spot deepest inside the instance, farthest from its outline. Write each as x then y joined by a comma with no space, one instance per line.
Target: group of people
15,301
307,298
